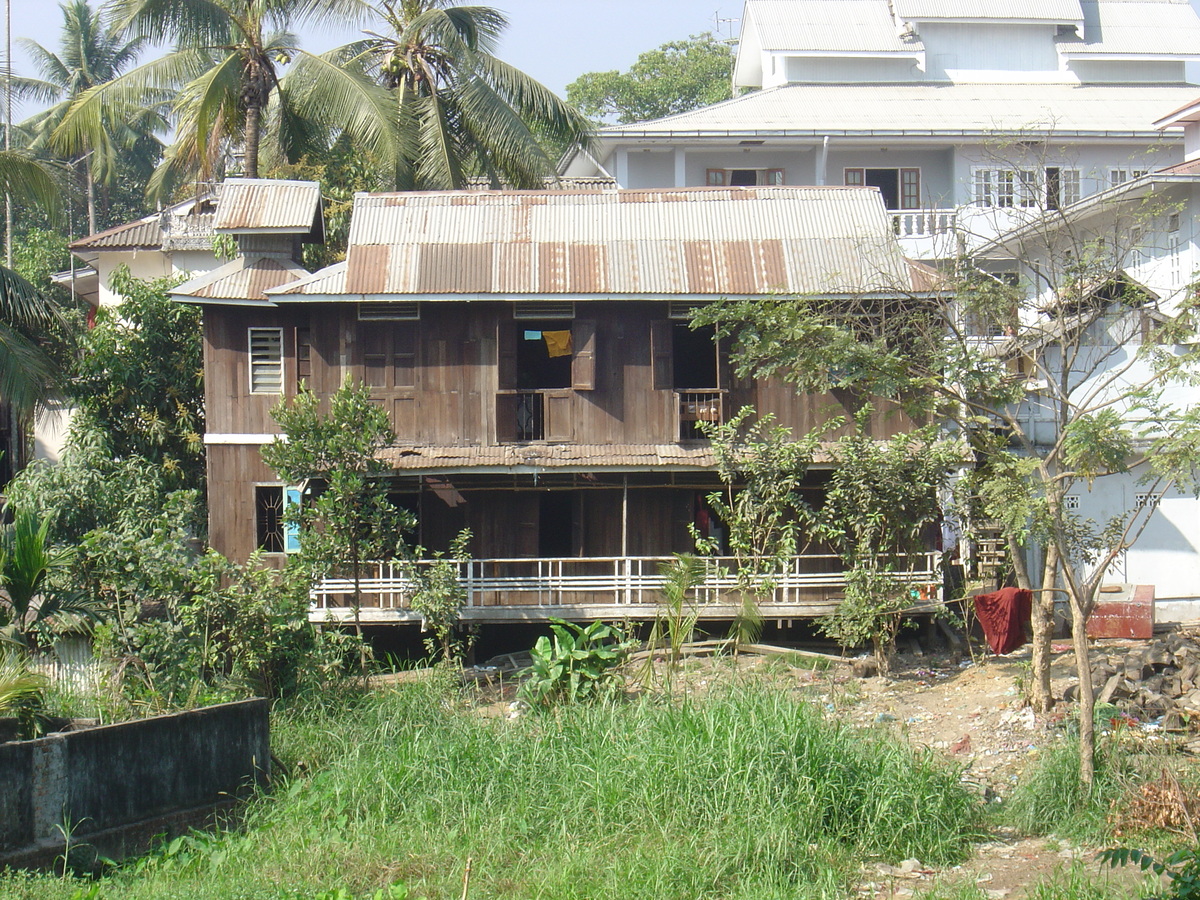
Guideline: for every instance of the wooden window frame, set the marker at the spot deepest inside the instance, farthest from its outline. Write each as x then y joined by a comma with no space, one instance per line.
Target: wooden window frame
255,366
764,177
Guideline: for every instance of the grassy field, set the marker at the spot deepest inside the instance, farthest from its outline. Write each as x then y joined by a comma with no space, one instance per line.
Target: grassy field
746,794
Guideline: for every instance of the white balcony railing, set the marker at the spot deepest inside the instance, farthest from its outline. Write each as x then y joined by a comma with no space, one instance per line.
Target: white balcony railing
923,222
622,585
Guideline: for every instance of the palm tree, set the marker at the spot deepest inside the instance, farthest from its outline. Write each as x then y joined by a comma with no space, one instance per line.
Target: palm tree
27,374
220,81
459,110
90,54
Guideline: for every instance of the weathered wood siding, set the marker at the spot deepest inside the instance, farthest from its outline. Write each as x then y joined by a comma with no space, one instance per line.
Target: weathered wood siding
443,378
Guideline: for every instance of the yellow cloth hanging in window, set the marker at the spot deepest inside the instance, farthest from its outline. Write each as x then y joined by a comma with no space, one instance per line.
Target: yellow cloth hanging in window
558,343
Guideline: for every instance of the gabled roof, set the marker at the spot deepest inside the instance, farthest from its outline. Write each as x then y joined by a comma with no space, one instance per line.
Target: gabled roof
1136,28
984,110
1050,11
149,232
242,281
828,26
648,243
268,206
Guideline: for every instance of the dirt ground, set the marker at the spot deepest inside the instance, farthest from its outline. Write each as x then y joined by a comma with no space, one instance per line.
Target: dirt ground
971,710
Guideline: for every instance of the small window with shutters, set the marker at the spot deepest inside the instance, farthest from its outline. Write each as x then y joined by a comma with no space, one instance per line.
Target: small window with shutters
266,360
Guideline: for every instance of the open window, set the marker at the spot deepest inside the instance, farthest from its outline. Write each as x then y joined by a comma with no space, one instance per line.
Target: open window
691,364
540,362
901,188
273,507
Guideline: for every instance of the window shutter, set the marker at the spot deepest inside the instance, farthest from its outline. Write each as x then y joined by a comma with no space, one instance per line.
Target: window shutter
583,365
291,528
715,177
660,353
404,359
506,355
856,177
266,360
910,188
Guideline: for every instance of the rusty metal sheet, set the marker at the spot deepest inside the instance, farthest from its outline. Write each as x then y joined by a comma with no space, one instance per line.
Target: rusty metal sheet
1127,614
264,204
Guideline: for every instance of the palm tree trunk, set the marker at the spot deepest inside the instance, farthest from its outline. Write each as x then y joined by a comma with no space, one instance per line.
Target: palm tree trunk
250,144
91,197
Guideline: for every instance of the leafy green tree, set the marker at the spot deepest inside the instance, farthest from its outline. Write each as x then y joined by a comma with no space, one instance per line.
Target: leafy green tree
91,53
881,501
139,380
677,77
349,522
459,110
762,466
1053,384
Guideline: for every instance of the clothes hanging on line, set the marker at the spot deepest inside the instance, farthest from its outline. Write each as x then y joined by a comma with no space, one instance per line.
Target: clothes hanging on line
558,343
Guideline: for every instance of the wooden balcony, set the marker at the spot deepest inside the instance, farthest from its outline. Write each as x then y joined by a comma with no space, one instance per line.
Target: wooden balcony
611,588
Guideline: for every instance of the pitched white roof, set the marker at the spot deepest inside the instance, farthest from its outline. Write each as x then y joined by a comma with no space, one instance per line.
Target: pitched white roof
1056,11
923,109
1137,28
827,26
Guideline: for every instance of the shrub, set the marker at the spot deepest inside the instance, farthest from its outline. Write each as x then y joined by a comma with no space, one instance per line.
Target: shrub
578,663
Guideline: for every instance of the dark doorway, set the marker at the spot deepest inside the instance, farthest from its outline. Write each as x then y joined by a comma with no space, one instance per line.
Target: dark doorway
888,182
554,524
536,368
694,358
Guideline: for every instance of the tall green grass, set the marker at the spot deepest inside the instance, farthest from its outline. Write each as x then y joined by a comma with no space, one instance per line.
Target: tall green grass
745,794
1051,799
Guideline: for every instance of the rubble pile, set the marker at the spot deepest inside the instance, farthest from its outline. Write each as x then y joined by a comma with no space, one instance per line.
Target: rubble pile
1158,681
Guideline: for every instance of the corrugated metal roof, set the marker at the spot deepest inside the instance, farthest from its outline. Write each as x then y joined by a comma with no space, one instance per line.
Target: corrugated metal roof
244,279
548,456
1054,11
690,241
858,26
1136,27
148,232
267,205
934,108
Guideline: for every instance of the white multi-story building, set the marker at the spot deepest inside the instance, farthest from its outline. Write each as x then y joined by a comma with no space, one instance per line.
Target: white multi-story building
961,112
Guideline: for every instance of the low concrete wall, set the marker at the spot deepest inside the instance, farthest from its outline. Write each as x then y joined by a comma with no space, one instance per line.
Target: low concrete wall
103,779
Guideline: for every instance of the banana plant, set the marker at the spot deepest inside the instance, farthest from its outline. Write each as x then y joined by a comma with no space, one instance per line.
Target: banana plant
29,599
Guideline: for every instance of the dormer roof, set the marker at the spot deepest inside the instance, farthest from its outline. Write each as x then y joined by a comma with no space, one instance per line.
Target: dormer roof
268,206
1058,12
1140,29
859,27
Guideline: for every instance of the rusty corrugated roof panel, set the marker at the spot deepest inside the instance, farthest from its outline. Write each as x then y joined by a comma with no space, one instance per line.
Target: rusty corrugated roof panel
549,456
268,205
244,279
144,234
688,241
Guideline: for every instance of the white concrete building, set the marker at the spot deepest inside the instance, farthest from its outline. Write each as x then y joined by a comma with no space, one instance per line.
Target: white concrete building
944,105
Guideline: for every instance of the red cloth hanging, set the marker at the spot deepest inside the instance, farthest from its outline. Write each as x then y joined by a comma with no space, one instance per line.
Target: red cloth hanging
1003,615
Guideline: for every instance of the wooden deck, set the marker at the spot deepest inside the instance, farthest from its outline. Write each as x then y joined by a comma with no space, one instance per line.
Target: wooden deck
534,590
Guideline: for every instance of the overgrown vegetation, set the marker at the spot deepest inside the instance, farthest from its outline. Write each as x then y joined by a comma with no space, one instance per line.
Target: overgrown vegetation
746,794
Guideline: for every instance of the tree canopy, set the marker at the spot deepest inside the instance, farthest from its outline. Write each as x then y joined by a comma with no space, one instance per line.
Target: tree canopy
677,77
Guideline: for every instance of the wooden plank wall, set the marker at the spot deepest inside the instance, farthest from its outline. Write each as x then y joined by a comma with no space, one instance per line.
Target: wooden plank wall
439,378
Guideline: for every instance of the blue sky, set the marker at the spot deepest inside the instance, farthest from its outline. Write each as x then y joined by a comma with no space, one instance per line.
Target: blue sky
555,41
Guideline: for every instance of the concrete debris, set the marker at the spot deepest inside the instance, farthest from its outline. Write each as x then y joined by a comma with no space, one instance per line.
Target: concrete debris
1156,683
